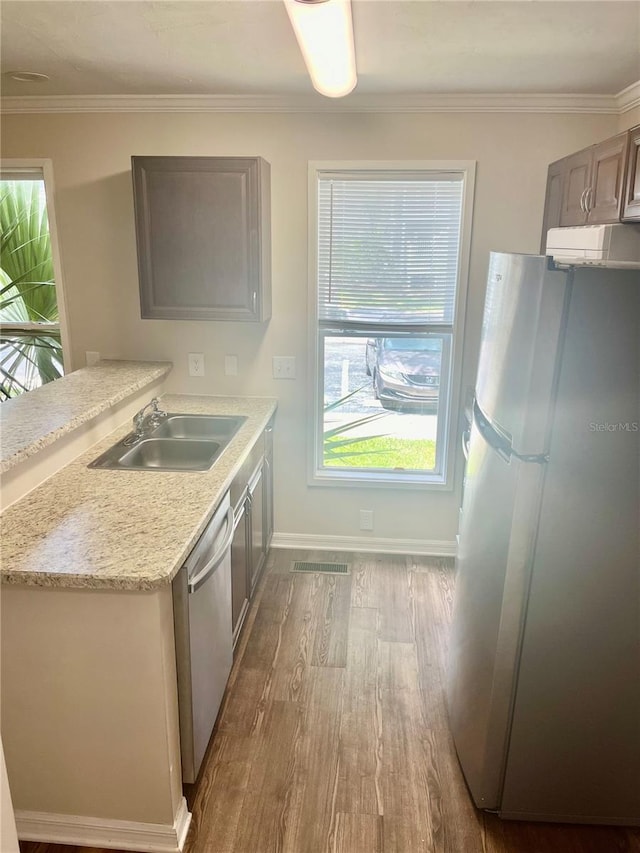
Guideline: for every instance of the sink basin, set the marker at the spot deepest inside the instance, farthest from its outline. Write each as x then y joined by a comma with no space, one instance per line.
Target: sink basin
198,426
162,454
172,455
179,443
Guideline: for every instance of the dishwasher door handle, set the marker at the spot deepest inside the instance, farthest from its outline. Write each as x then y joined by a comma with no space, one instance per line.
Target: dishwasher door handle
205,573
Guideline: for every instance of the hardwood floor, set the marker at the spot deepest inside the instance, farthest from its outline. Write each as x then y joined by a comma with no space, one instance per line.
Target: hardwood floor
333,735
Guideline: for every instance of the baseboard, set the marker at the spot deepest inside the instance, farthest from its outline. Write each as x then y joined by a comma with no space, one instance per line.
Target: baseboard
99,832
368,544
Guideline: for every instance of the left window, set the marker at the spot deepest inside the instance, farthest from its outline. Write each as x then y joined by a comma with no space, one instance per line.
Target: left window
31,336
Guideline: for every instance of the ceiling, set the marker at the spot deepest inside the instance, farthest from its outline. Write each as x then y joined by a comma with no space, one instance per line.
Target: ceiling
247,47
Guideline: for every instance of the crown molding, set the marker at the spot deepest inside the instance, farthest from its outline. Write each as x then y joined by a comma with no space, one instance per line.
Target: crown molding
357,103
628,98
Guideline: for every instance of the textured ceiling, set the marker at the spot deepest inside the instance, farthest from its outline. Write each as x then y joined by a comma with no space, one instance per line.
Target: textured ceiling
130,47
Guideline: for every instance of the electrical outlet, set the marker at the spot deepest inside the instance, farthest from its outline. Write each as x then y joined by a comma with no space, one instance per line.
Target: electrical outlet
366,519
231,365
196,364
284,367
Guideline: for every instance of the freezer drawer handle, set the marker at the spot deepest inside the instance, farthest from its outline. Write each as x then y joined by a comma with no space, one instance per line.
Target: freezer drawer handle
205,573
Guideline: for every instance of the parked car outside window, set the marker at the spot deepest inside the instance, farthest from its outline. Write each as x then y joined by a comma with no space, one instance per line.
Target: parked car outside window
405,372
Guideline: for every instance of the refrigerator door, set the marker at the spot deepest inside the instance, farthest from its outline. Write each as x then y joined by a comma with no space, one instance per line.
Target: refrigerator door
574,750
499,515
524,313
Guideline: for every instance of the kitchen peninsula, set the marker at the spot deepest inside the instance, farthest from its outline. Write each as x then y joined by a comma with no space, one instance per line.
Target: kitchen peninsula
90,712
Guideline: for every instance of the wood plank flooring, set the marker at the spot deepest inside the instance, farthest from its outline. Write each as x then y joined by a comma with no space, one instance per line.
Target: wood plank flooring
333,735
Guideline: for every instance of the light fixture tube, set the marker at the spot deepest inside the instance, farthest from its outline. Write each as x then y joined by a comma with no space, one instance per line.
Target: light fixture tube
324,31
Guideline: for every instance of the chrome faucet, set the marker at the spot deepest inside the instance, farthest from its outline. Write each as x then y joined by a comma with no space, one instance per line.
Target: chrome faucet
143,421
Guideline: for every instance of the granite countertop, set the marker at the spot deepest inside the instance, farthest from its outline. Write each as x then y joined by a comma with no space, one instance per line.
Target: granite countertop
129,530
35,420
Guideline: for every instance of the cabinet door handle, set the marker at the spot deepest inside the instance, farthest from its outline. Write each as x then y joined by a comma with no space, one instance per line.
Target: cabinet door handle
254,301
582,205
588,199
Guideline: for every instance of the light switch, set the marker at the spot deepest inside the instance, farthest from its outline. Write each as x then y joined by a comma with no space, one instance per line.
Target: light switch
284,367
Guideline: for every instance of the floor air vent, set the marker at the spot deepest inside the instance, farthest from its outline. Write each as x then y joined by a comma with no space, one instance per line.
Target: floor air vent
324,568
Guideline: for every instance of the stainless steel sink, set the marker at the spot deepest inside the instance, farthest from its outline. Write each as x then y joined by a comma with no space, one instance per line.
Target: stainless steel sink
162,454
179,443
198,426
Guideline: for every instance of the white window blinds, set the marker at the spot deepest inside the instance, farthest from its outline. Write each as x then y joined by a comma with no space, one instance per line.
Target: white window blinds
388,249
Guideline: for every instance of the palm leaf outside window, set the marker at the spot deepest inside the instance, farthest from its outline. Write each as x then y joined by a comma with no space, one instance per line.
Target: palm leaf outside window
30,344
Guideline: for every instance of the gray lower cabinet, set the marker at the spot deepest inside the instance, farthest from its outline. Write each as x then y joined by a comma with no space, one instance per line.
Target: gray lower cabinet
252,499
239,574
258,540
268,485
203,236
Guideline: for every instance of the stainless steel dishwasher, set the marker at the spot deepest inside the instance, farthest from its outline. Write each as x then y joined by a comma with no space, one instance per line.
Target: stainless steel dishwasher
202,619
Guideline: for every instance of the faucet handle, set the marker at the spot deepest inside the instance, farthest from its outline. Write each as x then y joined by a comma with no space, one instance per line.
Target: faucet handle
157,411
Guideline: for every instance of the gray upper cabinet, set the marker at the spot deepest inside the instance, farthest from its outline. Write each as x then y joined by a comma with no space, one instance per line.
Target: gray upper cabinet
204,237
588,187
631,210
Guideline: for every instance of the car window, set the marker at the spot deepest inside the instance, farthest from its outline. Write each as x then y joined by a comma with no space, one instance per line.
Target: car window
413,344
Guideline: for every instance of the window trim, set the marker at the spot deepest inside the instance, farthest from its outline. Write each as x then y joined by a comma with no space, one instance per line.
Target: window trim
358,479
45,165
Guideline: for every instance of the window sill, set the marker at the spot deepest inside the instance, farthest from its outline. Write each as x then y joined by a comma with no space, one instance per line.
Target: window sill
376,479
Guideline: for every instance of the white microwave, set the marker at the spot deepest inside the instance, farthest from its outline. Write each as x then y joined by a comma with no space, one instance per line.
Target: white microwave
616,245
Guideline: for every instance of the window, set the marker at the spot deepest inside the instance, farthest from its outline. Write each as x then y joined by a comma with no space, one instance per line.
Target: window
31,351
390,250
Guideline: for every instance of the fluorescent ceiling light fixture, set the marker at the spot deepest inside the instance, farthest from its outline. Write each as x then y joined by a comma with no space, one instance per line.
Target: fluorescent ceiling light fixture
324,31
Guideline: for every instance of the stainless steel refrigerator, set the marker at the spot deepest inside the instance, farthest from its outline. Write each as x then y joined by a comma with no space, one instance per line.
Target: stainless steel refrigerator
544,667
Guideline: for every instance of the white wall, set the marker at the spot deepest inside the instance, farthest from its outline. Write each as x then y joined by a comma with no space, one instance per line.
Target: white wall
91,161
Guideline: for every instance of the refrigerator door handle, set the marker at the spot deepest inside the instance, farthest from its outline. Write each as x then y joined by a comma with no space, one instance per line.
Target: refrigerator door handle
466,435
493,439
499,443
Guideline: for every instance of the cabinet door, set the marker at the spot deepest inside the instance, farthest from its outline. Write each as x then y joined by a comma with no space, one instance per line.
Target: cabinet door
631,209
604,198
552,200
576,182
257,543
239,571
202,227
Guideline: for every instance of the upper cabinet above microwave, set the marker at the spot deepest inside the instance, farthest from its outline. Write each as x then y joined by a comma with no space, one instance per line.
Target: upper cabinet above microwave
204,237
632,185
592,186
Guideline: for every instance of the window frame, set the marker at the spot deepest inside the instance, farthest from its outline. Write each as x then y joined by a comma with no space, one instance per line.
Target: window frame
317,475
11,165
